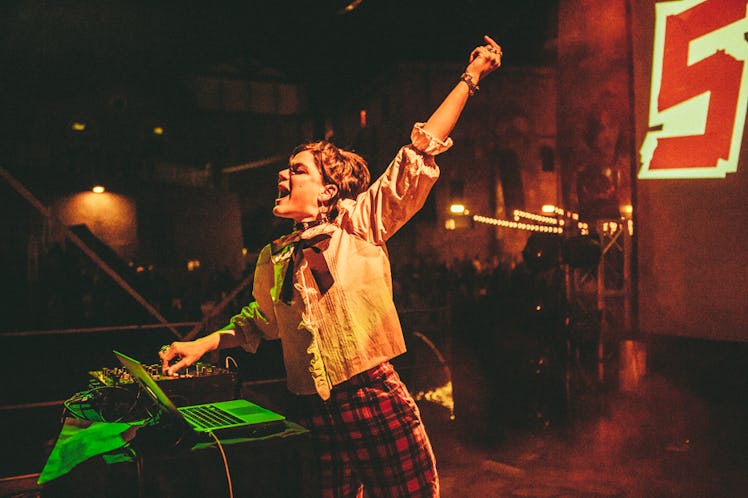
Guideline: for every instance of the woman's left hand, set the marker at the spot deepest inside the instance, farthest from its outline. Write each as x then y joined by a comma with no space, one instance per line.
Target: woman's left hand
485,58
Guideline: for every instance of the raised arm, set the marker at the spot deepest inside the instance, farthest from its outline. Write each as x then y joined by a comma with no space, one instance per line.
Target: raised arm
483,60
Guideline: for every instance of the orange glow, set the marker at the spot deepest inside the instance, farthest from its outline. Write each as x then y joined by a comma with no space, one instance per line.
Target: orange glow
362,118
514,224
534,217
158,130
350,7
110,217
442,395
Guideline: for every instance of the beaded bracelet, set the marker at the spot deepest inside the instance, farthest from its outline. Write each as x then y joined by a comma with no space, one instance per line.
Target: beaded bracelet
468,79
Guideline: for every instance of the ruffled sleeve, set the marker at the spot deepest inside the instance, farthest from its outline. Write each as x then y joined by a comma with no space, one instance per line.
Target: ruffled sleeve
424,142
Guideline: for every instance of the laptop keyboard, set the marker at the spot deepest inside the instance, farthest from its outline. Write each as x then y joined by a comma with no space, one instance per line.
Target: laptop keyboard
208,416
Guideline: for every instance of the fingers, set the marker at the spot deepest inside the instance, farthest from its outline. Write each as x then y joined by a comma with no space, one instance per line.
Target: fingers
493,48
484,59
173,369
491,42
169,352
166,353
491,52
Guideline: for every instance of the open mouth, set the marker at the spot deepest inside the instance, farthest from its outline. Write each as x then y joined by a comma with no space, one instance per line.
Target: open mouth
283,192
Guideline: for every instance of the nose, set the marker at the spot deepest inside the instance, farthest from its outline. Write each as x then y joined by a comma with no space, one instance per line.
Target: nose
284,175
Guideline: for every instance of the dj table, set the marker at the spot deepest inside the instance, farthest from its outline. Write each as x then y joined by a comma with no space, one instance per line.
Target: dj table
279,465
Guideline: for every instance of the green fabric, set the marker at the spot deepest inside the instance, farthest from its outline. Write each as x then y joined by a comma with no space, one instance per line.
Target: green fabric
80,440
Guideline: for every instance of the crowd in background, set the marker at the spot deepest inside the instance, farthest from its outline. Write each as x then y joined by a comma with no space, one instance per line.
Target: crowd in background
73,292
499,322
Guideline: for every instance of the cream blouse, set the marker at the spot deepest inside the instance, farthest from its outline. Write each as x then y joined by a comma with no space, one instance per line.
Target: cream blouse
341,319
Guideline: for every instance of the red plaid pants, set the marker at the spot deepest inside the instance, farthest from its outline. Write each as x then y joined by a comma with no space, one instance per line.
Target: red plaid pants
369,434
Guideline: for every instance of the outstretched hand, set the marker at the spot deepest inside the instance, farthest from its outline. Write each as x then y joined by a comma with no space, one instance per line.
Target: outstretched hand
485,58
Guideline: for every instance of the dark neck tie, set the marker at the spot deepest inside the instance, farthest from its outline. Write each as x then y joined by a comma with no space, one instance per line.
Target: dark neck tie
312,249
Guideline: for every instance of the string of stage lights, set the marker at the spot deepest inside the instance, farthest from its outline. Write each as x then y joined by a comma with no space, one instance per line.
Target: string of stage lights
537,222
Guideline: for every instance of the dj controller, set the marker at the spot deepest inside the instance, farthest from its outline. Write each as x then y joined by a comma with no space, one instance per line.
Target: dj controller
112,393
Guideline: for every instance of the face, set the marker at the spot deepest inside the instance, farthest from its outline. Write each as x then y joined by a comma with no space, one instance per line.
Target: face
299,189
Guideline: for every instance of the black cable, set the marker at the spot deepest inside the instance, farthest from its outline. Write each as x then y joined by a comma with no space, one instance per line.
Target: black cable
225,464
96,400
139,465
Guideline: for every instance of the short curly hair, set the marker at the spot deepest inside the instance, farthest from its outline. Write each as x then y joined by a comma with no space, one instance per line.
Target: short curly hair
344,169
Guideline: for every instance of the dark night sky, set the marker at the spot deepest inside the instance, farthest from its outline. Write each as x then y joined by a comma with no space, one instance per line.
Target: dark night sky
60,47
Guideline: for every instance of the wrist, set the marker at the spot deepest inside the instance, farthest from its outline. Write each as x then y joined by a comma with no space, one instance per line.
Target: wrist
471,80
210,342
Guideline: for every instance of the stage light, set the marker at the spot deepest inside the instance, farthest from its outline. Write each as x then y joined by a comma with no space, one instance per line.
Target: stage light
518,213
350,7
517,225
98,189
78,126
158,130
457,209
548,208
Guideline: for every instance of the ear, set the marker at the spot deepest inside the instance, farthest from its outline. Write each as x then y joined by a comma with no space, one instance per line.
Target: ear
329,191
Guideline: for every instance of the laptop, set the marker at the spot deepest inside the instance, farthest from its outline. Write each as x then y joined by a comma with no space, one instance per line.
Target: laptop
234,418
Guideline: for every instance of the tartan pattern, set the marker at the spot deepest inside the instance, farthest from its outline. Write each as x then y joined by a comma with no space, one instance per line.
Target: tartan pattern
369,434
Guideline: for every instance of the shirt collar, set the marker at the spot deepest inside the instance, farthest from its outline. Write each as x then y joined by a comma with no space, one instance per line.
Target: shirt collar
306,225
